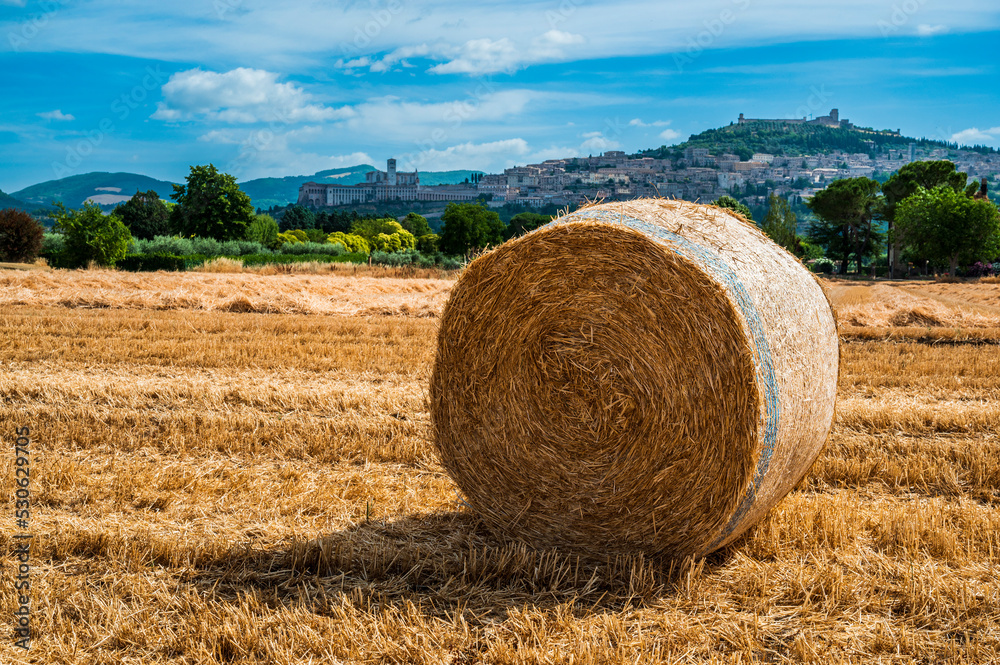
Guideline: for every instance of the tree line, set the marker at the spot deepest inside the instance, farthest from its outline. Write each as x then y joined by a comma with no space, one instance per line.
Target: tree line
211,205
924,214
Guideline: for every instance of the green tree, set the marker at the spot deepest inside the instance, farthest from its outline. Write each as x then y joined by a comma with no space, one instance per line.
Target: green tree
385,234
20,236
264,229
90,235
211,205
145,215
730,203
469,227
297,217
340,221
353,243
942,224
316,235
781,224
417,225
384,242
322,221
524,222
847,210
904,183
811,251
429,244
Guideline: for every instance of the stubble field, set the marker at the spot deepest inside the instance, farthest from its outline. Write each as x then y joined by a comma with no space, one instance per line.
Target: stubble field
219,484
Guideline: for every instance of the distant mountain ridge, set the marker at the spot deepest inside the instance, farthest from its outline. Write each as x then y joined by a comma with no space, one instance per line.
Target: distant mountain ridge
109,189
105,189
8,201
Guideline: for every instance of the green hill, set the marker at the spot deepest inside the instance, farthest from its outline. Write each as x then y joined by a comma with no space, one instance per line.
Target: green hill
105,189
795,140
8,201
267,192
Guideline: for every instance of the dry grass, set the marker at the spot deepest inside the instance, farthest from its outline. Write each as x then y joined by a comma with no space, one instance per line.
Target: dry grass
867,309
356,291
917,310
214,487
39,264
221,264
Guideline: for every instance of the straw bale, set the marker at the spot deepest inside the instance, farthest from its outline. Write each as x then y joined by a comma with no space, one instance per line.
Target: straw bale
650,376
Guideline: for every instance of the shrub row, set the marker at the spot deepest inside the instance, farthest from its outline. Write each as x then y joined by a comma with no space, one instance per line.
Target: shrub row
152,262
413,257
167,245
164,261
162,245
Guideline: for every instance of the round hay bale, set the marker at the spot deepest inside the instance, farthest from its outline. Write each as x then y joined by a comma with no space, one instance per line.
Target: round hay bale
649,376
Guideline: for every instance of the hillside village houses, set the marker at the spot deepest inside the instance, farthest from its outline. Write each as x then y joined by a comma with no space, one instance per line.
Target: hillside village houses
699,175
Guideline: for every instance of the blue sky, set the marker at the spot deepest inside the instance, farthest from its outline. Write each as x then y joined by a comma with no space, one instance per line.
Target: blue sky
291,88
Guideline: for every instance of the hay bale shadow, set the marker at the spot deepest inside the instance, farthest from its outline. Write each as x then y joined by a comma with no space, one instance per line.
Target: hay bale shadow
442,563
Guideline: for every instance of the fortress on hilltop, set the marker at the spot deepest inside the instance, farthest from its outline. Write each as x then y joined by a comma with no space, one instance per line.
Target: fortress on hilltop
832,120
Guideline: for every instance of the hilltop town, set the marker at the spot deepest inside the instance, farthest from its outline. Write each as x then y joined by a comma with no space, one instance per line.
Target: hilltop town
685,172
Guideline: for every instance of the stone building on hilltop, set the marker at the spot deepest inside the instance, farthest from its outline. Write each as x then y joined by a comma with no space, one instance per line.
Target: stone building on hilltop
831,120
382,186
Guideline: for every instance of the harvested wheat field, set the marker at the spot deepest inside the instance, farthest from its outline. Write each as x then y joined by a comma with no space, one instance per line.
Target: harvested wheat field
917,308
333,289
236,487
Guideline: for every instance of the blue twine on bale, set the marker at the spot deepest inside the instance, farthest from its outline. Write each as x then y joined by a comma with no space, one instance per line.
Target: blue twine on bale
711,262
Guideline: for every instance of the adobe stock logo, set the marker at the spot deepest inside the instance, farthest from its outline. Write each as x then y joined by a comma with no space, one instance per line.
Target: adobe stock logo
29,28
900,16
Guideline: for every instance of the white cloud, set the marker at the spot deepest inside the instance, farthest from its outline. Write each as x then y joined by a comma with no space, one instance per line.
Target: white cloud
240,95
670,135
925,30
598,143
974,135
57,115
222,136
495,156
363,61
482,56
399,57
469,156
477,56
280,161
266,152
298,34
435,123
637,122
353,159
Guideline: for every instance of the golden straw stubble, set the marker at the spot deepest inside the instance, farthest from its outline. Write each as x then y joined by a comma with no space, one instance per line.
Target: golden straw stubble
592,390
